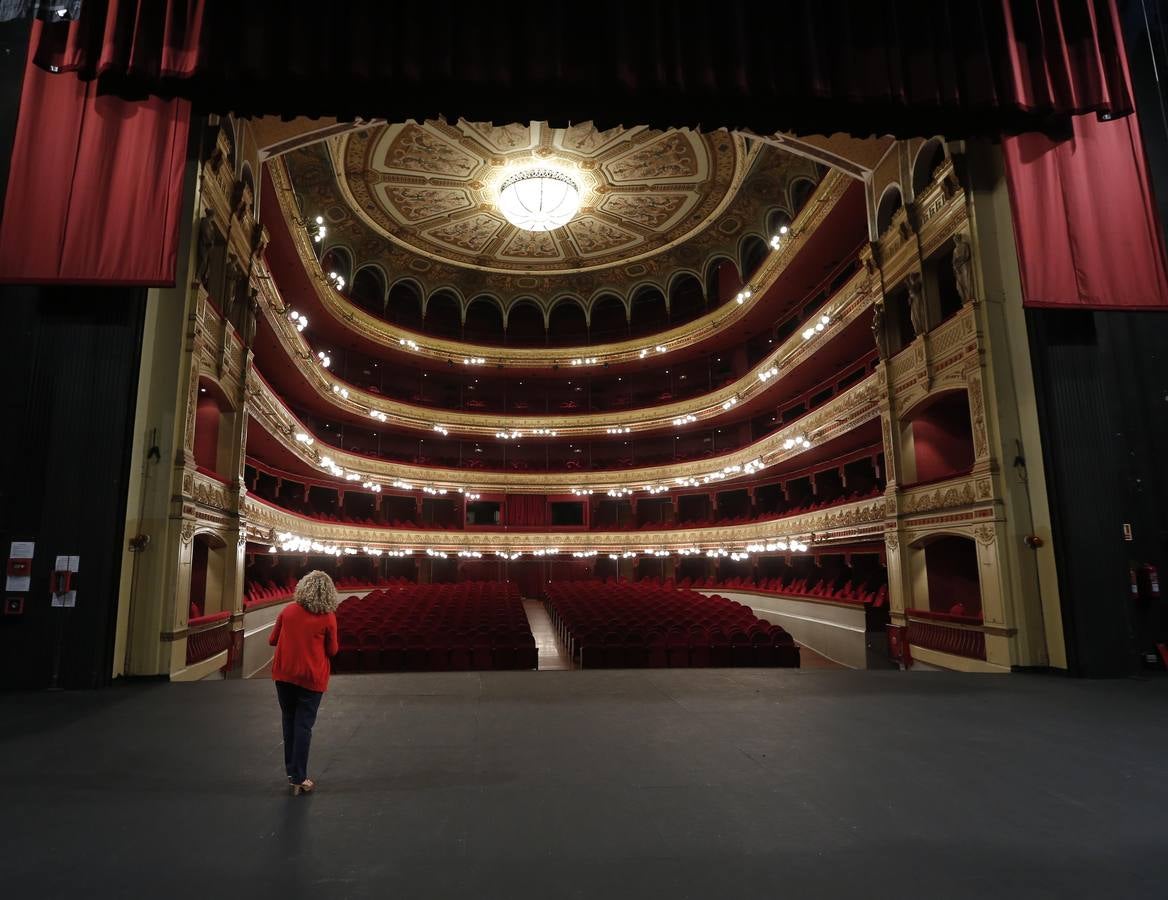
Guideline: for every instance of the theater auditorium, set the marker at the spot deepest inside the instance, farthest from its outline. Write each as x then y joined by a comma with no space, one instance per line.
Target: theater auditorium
735,433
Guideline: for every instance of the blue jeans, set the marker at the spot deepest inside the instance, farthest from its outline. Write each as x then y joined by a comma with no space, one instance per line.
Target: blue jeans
298,706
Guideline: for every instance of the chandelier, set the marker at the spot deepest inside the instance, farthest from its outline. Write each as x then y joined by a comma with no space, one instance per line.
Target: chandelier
539,199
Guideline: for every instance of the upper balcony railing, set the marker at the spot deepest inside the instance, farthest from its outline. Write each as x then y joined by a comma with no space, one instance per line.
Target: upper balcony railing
841,414
849,303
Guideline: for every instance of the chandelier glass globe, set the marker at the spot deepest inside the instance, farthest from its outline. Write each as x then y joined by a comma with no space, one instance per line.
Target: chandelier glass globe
539,199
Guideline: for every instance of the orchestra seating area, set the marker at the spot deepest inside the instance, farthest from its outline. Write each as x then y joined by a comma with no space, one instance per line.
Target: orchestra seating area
474,625
621,625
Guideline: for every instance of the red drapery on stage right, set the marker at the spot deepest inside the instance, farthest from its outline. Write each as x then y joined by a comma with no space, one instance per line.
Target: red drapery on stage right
1085,221
95,185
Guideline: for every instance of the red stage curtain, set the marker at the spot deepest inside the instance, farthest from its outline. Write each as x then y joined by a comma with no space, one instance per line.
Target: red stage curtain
95,185
526,509
905,67
1085,221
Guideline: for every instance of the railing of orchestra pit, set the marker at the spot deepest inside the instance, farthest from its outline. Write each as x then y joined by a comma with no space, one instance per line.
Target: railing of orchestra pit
947,633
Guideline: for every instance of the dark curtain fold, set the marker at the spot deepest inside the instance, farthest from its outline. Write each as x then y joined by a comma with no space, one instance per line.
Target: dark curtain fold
526,509
905,67
95,185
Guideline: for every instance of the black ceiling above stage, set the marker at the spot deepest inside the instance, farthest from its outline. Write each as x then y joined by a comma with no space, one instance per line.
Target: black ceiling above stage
902,67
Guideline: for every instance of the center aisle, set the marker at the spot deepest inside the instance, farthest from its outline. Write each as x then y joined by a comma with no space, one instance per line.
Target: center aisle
551,654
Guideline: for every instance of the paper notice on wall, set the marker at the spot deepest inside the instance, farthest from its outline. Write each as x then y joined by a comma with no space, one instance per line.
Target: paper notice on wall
67,564
67,599
19,575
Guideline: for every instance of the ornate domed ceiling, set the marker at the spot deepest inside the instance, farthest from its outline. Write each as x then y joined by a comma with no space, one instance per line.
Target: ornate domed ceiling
432,188
420,201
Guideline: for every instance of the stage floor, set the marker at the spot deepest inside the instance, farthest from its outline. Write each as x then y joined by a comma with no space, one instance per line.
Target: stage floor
680,783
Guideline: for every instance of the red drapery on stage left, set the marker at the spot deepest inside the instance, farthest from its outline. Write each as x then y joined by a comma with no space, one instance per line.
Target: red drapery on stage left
95,185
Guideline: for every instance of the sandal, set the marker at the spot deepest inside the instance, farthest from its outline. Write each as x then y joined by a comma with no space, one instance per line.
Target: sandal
305,787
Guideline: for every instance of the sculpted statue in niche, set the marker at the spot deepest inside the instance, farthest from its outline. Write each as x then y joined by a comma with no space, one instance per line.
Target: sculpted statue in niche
963,267
916,304
208,237
880,329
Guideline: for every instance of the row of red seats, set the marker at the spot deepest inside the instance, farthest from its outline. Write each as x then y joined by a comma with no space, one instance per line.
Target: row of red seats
429,628
626,625
256,593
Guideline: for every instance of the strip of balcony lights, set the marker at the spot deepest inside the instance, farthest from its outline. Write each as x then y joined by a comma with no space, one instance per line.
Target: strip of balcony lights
622,430
685,420
810,331
298,319
508,435
472,360
585,361
378,415
406,342
442,430
743,295
325,359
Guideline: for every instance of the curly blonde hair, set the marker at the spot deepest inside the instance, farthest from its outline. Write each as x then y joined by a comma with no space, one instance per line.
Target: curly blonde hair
317,593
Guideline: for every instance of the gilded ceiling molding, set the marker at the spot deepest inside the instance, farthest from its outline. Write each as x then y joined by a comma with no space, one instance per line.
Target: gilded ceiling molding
863,520
826,195
857,296
841,414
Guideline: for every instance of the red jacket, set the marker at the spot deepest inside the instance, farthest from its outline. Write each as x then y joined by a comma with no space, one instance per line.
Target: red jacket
304,641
